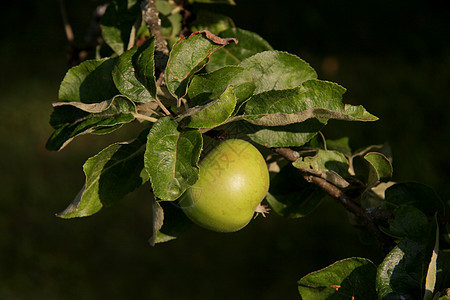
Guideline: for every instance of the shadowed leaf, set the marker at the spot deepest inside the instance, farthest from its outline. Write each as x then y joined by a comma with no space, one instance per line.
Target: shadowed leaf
117,22
292,196
70,121
89,82
122,162
174,222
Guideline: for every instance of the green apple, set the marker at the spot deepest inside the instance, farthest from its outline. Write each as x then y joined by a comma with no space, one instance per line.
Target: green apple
233,181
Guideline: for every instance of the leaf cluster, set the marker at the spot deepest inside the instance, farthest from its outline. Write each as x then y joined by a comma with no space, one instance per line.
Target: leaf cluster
224,81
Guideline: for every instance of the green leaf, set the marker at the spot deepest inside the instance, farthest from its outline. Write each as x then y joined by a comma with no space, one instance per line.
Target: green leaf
357,113
403,271
157,220
175,223
70,121
213,113
89,82
171,26
111,174
249,44
330,165
380,168
187,57
414,194
374,197
351,278
207,87
430,281
87,107
126,81
341,145
292,196
171,21
144,64
214,22
409,222
293,135
399,275
315,99
171,158
117,22
275,70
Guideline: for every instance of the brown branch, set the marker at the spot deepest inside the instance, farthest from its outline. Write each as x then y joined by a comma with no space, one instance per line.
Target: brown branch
350,205
151,18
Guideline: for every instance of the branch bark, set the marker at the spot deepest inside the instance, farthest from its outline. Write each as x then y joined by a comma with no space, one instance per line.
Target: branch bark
151,18
384,242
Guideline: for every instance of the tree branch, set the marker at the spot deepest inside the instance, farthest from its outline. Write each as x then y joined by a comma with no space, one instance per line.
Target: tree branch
350,205
151,18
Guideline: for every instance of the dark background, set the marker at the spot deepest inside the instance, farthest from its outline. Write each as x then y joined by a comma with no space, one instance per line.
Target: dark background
392,56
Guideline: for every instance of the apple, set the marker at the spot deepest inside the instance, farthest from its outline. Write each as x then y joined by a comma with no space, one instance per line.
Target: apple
233,180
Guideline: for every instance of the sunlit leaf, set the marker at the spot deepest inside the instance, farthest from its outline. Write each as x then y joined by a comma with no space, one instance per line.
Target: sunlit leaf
315,99
126,81
330,165
171,158
187,57
380,168
430,281
351,278
207,87
213,113
283,136
249,44
276,70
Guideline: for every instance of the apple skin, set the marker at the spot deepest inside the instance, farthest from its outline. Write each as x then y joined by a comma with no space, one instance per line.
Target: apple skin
233,180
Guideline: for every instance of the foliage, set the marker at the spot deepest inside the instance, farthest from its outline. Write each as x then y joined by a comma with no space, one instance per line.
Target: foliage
223,81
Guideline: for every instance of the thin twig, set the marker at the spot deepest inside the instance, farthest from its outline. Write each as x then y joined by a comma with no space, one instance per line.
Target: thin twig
67,27
324,141
144,117
341,197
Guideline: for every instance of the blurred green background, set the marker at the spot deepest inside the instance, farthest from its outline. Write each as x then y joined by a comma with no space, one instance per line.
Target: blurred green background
392,56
